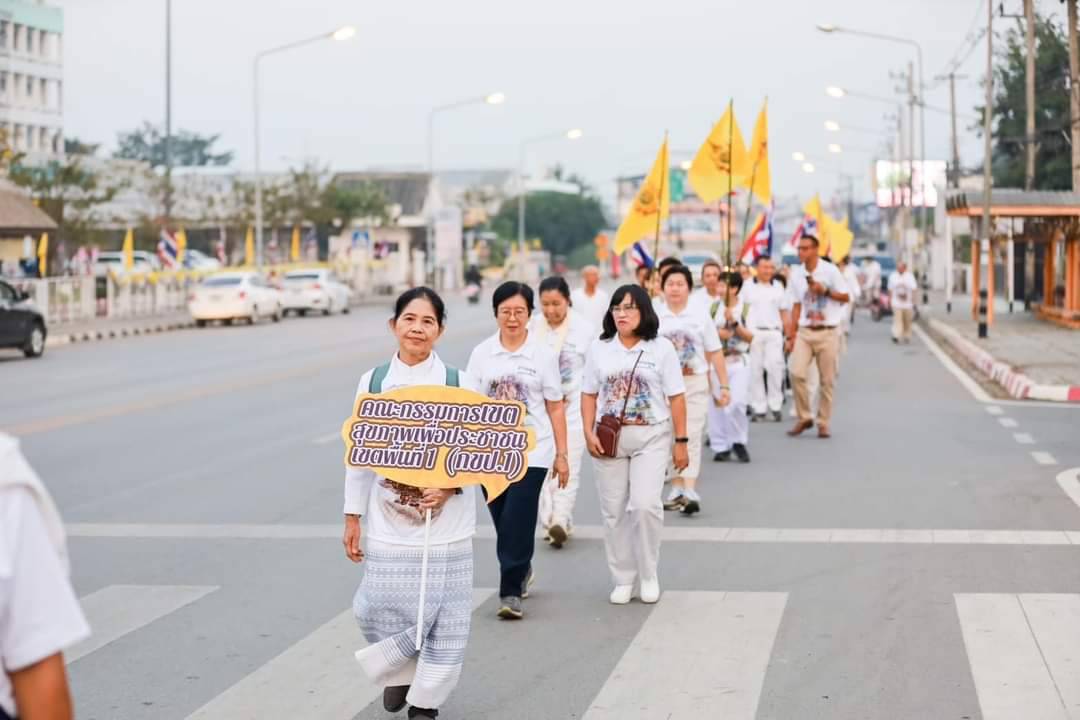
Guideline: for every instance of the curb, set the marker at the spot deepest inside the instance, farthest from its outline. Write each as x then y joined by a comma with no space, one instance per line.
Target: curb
1016,383
72,338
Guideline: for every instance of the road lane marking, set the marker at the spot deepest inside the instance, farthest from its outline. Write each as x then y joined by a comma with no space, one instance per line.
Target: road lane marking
118,610
1043,458
994,409
722,670
1023,651
1007,422
1024,438
1070,483
829,536
965,380
327,439
315,677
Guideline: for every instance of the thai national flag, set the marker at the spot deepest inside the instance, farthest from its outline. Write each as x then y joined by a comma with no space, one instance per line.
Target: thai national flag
759,242
808,226
641,256
167,250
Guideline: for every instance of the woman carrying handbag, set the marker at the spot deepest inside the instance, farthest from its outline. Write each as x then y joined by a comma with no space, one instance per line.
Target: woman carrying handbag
632,403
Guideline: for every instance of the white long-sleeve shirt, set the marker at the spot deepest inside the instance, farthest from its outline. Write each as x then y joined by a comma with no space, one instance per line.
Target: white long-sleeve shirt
389,510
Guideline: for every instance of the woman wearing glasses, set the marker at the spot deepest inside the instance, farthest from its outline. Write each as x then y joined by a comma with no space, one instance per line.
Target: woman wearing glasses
634,375
694,335
513,365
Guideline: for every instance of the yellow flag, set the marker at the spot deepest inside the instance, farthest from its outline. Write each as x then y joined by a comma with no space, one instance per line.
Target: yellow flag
294,251
651,205
43,255
129,249
758,181
722,160
840,238
249,247
181,247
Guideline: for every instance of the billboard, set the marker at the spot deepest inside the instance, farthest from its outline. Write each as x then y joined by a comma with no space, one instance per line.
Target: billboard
913,184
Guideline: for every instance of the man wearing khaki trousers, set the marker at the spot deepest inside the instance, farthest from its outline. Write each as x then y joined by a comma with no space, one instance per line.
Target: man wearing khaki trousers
819,297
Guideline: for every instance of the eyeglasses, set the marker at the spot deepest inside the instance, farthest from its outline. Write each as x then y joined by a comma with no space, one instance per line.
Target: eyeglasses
623,309
516,313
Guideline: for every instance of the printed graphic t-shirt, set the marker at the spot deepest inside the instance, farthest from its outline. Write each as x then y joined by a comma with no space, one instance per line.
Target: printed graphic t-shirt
693,333
820,309
610,375
571,342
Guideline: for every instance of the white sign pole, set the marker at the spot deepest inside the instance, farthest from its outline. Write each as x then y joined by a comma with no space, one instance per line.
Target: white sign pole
423,581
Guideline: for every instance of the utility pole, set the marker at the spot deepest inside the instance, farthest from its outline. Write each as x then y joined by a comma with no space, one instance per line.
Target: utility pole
955,174
911,153
1074,90
1030,146
168,114
985,294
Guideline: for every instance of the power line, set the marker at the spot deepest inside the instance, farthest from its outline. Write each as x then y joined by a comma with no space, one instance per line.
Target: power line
974,35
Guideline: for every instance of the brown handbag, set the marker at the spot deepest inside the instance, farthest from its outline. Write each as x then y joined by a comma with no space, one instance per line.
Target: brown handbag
609,427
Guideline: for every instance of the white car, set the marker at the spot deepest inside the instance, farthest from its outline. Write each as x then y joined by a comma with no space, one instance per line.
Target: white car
232,296
198,260
314,290
112,262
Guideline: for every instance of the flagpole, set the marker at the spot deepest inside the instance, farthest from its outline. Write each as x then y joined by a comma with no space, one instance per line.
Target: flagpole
731,171
753,177
660,204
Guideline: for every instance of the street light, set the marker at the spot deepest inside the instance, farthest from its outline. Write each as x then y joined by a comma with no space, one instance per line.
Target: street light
572,134
495,98
830,28
685,165
835,148
342,33
798,156
834,91
832,126
808,167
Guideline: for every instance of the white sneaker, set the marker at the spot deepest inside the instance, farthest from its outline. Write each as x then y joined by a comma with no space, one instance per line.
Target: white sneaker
650,591
621,594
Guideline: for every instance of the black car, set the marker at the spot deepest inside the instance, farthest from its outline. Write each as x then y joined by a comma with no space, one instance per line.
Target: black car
21,325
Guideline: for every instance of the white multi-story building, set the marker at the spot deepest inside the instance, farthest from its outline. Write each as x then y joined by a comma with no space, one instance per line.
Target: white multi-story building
31,77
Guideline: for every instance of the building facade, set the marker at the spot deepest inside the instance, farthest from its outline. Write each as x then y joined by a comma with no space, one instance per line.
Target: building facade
31,77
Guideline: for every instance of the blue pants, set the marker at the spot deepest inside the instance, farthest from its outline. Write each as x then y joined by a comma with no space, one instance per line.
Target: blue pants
514,515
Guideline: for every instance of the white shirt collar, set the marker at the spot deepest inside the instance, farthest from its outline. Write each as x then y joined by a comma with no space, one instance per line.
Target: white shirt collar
526,348
421,370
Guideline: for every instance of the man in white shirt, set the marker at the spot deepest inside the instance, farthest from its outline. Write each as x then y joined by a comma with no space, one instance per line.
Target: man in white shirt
871,278
708,297
819,297
851,275
902,289
39,613
768,313
591,301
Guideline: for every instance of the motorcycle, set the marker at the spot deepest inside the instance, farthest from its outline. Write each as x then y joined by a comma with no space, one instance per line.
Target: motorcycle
472,292
880,306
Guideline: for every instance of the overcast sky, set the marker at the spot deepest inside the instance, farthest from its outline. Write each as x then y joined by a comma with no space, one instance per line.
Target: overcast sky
623,70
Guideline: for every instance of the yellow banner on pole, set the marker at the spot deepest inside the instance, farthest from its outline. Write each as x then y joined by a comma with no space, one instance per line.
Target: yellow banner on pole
651,205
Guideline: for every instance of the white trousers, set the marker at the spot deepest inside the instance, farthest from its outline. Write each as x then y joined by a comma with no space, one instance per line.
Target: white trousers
630,486
557,504
698,400
729,425
767,357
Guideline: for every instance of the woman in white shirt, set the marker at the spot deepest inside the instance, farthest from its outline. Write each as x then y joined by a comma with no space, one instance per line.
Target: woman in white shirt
568,334
513,365
634,375
697,344
392,517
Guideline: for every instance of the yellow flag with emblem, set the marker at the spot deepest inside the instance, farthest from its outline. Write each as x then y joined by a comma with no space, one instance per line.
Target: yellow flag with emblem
840,238
759,181
249,247
651,205
814,223
43,255
721,162
294,250
181,248
129,249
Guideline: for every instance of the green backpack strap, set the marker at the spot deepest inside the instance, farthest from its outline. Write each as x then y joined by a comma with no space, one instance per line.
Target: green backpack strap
377,377
452,377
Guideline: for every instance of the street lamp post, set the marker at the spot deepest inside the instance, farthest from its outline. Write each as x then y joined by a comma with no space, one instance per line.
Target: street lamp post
343,33
495,98
827,28
572,134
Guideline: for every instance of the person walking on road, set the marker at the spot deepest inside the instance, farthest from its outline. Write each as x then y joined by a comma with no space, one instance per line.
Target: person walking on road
590,300
392,518
513,365
633,375
39,613
708,297
697,344
819,296
902,290
729,427
768,309
569,335
851,275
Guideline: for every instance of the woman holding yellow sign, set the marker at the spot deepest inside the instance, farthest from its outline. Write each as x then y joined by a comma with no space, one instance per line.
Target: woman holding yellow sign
393,518
513,364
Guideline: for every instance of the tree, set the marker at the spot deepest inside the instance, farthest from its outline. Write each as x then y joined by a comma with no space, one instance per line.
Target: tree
561,221
67,191
1052,155
189,149
74,146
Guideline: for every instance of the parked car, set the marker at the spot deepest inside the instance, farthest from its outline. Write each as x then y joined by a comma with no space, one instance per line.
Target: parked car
198,260
22,326
234,296
112,262
314,290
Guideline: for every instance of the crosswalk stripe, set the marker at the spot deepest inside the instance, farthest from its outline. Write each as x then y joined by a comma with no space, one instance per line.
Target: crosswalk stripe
676,676
1023,651
117,610
316,677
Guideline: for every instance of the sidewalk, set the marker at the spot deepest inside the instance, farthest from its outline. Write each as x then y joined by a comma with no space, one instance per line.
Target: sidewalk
107,328
1029,358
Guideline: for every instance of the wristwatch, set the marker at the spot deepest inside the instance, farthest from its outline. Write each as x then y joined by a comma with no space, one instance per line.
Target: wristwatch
682,440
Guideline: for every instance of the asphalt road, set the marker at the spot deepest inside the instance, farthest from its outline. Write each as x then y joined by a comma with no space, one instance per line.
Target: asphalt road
923,563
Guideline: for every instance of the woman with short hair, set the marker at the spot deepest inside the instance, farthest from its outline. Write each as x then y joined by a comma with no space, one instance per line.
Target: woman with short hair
633,375
513,365
393,518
